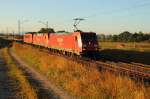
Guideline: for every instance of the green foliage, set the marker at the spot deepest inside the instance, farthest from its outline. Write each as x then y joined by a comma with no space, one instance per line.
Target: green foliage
125,37
46,30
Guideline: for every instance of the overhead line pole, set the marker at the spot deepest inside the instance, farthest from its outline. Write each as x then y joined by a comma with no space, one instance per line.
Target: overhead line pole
47,24
19,27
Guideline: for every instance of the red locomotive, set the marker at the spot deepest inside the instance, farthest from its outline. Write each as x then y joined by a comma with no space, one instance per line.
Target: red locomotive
73,43
28,37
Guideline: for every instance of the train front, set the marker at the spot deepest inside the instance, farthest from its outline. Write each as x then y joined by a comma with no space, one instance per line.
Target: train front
89,43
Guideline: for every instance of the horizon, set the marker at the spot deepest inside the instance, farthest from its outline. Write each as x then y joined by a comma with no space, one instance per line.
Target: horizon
107,17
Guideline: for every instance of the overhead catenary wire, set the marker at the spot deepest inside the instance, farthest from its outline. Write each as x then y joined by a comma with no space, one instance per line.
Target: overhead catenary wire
118,10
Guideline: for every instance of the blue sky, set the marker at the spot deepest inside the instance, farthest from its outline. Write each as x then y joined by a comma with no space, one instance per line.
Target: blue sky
102,16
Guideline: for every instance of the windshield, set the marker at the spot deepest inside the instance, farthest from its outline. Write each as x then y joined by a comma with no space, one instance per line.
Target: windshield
88,37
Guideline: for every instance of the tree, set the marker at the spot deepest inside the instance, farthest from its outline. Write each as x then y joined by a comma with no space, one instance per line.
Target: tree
46,30
124,36
114,38
101,37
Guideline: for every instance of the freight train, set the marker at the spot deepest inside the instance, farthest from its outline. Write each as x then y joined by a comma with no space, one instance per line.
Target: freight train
76,43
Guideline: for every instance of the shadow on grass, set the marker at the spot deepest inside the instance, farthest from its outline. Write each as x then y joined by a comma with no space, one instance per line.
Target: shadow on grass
125,56
5,43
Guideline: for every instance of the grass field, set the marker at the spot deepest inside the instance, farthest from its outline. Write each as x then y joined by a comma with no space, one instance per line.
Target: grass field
83,82
143,47
126,52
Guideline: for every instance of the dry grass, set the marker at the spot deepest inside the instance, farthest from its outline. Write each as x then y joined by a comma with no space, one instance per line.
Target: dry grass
79,80
26,90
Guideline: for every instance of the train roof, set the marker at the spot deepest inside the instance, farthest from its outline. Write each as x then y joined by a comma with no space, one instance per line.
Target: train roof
30,32
62,32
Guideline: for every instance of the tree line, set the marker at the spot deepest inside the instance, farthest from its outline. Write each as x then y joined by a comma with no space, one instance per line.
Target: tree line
125,36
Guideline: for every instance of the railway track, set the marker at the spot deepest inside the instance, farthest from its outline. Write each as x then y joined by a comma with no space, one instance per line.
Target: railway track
135,71
143,68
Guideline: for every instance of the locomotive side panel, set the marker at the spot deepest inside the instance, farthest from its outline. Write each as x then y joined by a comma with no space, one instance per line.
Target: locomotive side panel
39,39
63,42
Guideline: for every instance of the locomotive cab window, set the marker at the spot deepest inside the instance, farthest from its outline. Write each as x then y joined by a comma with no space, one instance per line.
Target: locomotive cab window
88,37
